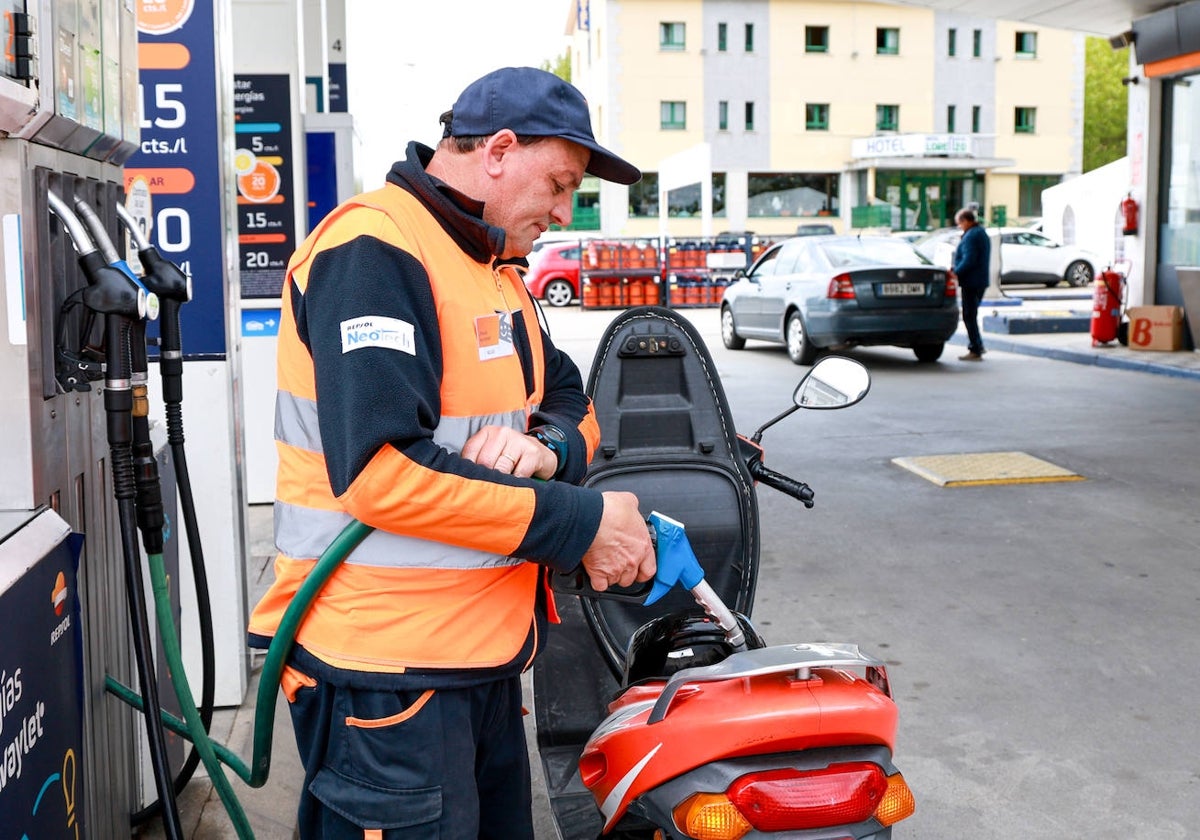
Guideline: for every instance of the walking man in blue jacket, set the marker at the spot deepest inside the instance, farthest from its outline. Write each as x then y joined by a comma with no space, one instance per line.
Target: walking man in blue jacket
971,265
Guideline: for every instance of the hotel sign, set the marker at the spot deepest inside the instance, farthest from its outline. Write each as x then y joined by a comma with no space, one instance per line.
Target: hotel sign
912,145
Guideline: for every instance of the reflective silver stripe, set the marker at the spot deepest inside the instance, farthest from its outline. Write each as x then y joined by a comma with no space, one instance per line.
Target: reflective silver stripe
296,422
305,533
452,432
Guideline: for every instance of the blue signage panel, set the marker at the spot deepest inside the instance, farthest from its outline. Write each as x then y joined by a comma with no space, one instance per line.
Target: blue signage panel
41,702
322,175
179,161
339,100
260,322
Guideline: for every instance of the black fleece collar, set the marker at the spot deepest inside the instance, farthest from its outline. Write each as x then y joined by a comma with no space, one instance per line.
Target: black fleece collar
459,215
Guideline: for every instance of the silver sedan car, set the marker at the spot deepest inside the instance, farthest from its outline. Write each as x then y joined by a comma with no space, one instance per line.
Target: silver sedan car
831,292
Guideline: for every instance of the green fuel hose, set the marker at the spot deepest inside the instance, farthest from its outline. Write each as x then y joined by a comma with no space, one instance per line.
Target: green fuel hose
192,728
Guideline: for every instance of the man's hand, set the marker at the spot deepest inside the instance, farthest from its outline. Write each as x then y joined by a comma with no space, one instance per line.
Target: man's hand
621,554
508,451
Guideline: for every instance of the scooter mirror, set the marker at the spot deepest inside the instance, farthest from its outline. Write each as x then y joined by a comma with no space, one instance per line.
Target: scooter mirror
833,382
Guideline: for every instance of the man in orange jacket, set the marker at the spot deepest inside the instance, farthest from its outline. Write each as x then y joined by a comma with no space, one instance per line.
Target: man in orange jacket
418,394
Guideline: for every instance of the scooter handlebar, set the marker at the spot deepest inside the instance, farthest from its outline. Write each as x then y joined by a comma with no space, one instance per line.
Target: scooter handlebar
782,483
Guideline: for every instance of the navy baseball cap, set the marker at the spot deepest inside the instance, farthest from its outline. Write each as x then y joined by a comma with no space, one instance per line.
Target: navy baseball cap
538,104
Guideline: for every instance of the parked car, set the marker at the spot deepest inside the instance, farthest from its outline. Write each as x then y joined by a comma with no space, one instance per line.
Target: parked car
553,274
815,229
1026,256
816,293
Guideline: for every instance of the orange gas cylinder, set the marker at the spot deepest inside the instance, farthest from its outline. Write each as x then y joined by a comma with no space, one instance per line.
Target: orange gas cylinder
636,292
607,293
691,295
591,295
651,288
604,255
649,256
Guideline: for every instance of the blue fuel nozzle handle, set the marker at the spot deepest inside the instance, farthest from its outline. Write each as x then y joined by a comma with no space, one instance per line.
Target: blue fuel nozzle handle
677,563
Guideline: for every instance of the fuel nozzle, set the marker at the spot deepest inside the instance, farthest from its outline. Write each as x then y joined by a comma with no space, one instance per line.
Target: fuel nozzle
174,289
162,276
110,291
110,257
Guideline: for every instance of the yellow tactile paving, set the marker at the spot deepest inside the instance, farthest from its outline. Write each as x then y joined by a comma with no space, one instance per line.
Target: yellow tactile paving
975,468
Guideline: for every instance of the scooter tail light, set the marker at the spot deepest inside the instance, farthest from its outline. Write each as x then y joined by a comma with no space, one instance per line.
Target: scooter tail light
841,287
793,800
710,816
898,802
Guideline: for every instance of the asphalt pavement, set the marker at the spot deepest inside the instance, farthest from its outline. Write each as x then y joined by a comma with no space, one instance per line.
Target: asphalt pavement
1042,638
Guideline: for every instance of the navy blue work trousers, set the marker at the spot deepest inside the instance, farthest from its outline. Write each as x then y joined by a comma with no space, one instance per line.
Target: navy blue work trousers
972,296
413,765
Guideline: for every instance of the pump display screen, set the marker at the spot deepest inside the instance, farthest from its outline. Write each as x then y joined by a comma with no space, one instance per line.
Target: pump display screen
17,39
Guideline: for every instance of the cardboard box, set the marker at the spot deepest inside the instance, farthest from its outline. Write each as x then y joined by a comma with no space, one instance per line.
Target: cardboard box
1155,327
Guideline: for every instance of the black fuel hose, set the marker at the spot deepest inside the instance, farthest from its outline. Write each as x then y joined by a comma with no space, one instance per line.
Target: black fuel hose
173,288
118,404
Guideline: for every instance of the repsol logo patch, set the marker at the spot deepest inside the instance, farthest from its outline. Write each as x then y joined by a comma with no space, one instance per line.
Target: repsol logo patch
377,331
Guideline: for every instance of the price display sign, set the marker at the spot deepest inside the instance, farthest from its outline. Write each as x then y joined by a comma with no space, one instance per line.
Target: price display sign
179,156
262,162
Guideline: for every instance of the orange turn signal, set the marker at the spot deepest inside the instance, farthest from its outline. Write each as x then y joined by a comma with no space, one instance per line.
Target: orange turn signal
710,816
897,803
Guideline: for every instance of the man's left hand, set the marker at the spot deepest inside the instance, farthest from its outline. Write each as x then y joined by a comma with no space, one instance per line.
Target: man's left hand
509,451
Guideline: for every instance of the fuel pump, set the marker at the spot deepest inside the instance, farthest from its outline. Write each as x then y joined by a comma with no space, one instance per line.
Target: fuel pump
164,278
124,303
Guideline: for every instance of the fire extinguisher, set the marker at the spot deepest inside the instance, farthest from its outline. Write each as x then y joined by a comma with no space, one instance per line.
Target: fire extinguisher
1129,216
1106,306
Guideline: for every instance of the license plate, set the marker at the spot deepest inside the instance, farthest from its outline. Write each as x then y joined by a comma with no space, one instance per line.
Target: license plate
901,289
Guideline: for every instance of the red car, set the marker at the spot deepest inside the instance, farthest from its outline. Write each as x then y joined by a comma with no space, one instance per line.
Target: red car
554,273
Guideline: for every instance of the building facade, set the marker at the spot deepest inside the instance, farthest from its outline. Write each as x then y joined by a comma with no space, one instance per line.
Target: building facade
769,114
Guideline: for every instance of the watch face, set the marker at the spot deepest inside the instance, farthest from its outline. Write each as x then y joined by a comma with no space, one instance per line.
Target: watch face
554,433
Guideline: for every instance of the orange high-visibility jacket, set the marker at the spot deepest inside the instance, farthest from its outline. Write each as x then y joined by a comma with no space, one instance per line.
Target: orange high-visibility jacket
400,338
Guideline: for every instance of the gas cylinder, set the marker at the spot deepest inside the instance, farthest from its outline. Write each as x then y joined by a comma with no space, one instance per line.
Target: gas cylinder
650,288
636,292
1106,306
591,294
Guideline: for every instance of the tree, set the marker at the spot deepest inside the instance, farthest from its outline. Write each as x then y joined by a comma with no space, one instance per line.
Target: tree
1105,104
560,66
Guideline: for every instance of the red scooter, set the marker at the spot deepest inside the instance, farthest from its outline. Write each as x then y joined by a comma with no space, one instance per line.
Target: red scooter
661,719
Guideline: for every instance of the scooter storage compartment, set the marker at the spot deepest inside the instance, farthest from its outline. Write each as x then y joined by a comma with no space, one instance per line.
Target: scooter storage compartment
666,435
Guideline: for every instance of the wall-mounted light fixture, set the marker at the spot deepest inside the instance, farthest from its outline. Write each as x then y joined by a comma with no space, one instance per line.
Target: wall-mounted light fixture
1120,42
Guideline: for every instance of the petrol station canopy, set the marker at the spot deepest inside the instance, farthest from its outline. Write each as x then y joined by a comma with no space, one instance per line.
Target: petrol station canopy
1109,18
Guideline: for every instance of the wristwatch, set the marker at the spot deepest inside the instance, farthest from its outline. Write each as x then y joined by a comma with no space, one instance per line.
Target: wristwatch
554,439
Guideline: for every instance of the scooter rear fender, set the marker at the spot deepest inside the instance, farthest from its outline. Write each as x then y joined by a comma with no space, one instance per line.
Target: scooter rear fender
707,720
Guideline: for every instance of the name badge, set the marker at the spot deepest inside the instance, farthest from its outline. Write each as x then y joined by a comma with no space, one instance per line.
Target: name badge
493,336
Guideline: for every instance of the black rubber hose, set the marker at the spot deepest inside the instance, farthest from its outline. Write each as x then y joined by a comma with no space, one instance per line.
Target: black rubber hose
118,404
